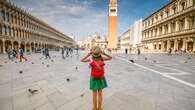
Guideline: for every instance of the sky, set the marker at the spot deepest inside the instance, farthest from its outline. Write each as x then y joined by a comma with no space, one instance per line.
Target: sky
81,18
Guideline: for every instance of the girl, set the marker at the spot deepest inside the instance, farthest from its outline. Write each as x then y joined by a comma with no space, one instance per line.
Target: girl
97,78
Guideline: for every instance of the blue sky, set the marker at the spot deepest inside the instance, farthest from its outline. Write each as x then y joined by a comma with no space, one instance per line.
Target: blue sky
84,17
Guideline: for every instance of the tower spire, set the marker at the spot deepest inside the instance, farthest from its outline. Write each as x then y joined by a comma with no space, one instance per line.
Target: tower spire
112,24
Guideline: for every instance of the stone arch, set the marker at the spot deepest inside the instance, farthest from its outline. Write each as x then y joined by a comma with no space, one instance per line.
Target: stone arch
16,45
8,45
22,45
36,45
28,49
32,46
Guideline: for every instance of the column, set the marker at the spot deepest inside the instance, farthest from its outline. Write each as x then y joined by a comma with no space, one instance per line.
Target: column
157,46
177,26
25,47
3,41
184,44
162,46
158,31
168,44
194,45
169,28
186,23
19,44
190,3
175,44
153,32
163,29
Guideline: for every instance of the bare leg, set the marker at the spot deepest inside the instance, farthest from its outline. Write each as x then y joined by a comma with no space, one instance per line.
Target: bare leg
99,99
94,100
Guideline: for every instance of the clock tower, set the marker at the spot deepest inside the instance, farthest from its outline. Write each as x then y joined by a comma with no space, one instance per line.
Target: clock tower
112,25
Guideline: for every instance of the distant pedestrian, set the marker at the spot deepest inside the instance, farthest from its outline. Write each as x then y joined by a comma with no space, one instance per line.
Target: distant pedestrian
43,51
67,52
126,51
14,53
97,78
9,53
138,51
77,51
62,52
47,53
21,54
169,51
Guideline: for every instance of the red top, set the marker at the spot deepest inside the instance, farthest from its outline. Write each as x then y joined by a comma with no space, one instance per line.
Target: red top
97,69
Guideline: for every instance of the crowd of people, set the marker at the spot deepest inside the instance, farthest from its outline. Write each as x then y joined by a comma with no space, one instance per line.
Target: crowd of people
14,54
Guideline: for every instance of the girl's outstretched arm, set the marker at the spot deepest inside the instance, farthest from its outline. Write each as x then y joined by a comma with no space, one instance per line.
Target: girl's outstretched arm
86,58
107,57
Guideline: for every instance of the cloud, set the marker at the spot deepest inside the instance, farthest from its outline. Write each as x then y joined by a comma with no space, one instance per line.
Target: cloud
69,16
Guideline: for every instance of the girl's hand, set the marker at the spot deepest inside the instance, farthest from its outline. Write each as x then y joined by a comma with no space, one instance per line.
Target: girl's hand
90,53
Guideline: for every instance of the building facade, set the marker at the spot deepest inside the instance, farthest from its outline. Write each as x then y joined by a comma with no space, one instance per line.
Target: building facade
125,40
20,29
93,40
112,25
171,27
131,39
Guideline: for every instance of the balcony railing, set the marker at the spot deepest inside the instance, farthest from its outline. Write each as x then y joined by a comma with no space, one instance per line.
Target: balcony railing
171,17
173,34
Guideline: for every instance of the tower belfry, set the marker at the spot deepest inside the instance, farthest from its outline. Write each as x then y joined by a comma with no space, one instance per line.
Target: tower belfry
112,24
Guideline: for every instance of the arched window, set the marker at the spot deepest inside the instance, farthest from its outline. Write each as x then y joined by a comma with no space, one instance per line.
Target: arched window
183,5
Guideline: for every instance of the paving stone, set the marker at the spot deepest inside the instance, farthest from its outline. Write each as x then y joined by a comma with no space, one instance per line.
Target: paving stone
129,87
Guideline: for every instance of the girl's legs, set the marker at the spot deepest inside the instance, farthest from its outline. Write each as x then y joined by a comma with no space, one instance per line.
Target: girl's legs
94,100
99,99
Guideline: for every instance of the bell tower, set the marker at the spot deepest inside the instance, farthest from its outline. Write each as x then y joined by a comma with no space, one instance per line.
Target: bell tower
112,25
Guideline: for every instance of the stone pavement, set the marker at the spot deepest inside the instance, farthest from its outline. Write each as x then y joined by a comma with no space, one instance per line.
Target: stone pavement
130,87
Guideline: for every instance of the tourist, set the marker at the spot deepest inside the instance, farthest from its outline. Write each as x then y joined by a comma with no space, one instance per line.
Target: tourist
97,78
47,53
63,53
21,54
14,53
126,51
67,52
138,51
9,53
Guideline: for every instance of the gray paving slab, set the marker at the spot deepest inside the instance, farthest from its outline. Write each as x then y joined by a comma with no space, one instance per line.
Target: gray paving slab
129,86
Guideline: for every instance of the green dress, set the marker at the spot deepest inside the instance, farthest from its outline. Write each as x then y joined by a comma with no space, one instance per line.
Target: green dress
97,83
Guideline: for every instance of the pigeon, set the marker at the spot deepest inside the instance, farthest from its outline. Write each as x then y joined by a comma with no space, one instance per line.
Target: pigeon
47,65
146,58
20,71
16,62
132,61
1,65
32,62
154,61
32,91
67,79
76,68
42,62
52,60
189,58
82,95
185,61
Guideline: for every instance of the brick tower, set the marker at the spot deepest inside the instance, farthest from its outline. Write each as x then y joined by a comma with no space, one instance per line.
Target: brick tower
112,25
